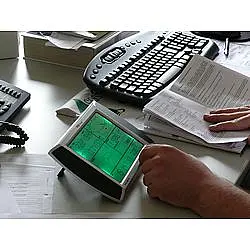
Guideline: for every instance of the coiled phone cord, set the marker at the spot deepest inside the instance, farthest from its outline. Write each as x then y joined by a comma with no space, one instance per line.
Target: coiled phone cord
7,139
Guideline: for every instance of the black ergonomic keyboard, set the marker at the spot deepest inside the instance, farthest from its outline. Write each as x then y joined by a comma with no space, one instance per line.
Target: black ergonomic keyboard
12,99
136,68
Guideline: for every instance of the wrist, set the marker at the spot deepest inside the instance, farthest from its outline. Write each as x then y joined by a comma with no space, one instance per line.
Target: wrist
205,201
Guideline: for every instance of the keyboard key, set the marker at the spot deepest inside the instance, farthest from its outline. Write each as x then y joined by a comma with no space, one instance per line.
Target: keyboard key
186,57
147,92
103,82
199,45
123,86
5,107
130,89
157,84
180,65
114,85
152,88
182,61
137,83
18,94
138,92
179,55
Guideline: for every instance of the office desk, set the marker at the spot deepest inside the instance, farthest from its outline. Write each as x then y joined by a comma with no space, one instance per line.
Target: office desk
50,87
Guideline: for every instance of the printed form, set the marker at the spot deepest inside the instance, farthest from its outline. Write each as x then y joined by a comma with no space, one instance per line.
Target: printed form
203,86
26,184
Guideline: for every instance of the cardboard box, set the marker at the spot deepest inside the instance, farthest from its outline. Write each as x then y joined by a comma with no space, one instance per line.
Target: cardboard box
9,44
35,48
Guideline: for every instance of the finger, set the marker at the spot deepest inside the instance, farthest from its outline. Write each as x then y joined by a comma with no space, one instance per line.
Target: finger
150,177
236,124
148,165
149,152
230,110
152,193
225,116
146,180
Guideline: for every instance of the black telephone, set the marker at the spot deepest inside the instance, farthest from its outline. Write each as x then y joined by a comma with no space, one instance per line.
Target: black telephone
12,99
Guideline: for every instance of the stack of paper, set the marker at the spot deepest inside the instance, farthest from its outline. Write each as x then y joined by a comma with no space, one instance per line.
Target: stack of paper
204,85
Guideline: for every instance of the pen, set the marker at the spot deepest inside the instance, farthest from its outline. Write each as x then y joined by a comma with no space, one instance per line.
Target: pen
226,48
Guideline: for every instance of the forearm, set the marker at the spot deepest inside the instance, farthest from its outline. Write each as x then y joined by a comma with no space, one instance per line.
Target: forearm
221,199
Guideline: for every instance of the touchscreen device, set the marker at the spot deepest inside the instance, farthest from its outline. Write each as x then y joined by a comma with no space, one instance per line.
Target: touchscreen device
102,149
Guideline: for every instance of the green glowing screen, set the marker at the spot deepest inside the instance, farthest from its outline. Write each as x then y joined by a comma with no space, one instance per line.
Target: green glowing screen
106,146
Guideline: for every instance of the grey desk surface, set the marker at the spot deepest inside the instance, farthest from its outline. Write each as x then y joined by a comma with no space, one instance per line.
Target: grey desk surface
50,87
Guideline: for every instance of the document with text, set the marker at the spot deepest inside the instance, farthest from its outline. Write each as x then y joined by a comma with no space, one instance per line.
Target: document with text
26,184
203,85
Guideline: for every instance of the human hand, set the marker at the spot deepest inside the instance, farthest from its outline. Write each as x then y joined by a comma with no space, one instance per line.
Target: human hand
172,175
229,119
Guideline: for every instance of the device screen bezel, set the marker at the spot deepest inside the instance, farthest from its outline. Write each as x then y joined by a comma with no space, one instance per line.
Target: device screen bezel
113,119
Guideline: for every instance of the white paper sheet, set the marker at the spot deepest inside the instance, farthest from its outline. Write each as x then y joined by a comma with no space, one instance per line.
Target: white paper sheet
212,85
30,181
65,41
